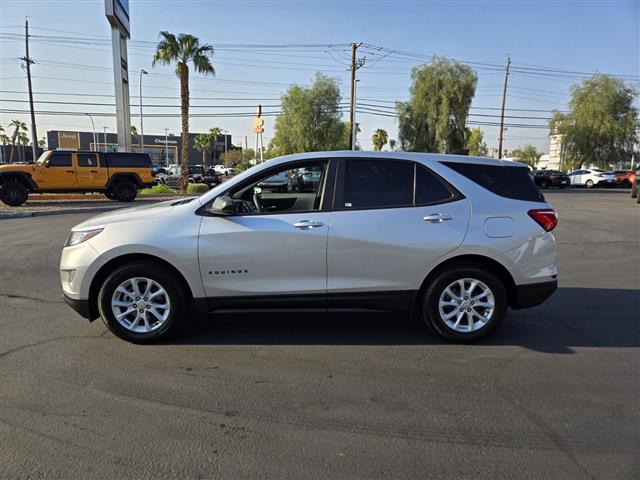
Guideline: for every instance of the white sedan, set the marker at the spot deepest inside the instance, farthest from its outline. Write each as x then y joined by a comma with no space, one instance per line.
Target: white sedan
592,177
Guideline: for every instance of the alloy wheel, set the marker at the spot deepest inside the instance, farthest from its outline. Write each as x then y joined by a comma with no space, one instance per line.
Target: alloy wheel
140,305
466,305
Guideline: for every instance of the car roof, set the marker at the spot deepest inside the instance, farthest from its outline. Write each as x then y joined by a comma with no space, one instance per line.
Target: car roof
425,158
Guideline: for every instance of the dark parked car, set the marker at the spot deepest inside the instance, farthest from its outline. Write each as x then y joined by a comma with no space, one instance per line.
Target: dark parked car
551,178
206,175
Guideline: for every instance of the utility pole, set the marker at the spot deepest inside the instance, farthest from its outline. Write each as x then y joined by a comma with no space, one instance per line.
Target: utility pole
166,147
141,140
104,137
28,61
504,101
355,64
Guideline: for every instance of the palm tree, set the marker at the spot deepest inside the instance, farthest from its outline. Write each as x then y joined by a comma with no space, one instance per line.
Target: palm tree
4,140
204,142
215,132
392,144
181,50
379,139
18,128
23,141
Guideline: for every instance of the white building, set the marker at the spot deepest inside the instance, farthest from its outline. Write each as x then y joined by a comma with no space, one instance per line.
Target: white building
553,160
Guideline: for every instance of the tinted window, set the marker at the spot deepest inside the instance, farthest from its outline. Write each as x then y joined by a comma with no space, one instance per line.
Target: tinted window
377,184
128,160
87,160
509,182
429,189
60,160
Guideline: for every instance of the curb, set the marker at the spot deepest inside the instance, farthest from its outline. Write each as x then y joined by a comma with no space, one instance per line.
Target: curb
68,211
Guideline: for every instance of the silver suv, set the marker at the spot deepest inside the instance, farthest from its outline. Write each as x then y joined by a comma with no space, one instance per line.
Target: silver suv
453,239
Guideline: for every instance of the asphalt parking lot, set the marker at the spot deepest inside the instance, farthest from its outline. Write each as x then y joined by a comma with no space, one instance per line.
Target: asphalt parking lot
554,394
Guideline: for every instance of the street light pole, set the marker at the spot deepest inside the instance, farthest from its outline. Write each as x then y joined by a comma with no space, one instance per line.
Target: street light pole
166,147
95,140
104,138
142,72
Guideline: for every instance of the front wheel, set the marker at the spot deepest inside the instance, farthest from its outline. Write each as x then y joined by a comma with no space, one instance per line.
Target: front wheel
13,193
464,303
125,192
140,303
589,184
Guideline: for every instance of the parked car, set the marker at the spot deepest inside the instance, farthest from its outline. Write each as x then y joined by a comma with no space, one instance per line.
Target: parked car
159,169
276,183
202,174
625,178
592,177
224,170
551,178
454,239
307,179
116,174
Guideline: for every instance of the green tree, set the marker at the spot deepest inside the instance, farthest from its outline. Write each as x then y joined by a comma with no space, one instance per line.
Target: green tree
475,143
601,125
379,139
392,144
182,50
215,132
205,143
434,117
529,155
18,129
134,131
310,119
239,159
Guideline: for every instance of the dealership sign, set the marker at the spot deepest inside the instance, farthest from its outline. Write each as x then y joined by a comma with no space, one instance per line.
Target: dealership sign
117,12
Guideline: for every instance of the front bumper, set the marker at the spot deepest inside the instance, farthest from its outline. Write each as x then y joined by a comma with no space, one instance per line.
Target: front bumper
532,294
80,306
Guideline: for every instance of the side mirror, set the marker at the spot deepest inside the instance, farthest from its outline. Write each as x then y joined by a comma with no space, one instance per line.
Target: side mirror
46,164
222,206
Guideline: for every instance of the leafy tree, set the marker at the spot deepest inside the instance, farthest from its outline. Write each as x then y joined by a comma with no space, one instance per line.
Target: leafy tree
529,155
379,139
434,117
18,129
42,143
215,132
182,50
600,127
392,144
134,131
475,143
310,119
205,143
239,159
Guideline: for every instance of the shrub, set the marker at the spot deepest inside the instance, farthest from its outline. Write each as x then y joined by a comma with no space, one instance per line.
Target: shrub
157,189
197,188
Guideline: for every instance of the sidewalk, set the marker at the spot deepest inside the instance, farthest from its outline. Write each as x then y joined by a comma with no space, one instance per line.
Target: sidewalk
66,204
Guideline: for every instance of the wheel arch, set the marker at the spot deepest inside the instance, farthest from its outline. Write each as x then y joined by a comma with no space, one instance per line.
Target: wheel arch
118,261
477,260
21,177
130,176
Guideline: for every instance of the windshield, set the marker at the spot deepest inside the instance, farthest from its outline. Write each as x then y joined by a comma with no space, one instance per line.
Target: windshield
42,157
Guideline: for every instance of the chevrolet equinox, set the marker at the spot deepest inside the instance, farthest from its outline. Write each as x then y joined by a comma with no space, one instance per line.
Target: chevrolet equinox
454,239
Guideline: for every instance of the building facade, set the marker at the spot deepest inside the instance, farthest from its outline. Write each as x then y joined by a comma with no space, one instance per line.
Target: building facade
164,150
552,161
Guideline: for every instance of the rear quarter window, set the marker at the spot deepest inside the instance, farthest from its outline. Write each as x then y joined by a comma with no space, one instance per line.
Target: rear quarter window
506,181
128,160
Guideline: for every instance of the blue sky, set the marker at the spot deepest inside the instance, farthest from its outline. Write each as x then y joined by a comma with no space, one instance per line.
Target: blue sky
573,36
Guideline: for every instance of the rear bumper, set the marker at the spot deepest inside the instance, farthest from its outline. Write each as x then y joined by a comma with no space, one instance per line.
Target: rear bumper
532,294
80,306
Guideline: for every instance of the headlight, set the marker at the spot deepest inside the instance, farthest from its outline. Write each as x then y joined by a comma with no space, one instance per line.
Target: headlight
81,236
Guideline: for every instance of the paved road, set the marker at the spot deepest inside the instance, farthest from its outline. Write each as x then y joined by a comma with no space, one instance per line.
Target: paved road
553,394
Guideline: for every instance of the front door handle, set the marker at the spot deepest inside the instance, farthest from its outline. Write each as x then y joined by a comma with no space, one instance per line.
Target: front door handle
307,224
437,217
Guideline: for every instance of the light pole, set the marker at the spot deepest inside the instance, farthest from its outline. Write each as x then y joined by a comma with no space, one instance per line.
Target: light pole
104,137
142,72
225,140
95,141
166,147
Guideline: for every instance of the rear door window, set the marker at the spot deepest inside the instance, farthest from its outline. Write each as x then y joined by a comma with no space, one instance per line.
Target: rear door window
503,180
377,184
430,189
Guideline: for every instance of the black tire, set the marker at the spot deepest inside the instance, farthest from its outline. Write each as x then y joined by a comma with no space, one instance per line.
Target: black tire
13,193
125,192
141,269
544,184
634,189
589,183
430,302
625,183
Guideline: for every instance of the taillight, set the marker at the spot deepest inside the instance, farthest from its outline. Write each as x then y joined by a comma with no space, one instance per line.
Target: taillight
545,217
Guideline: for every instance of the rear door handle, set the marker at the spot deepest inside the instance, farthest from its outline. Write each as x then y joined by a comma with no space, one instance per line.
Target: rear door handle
437,217
93,171
307,224
70,171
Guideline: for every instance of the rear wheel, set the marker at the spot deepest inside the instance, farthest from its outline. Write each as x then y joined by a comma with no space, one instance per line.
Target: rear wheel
625,183
589,184
464,303
544,184
124,192
140,303
13,193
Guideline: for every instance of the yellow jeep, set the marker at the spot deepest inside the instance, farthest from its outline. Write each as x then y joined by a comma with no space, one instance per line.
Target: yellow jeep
118,175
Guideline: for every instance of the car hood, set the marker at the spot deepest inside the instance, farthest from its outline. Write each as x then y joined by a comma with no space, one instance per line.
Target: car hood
133,214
